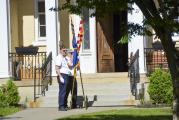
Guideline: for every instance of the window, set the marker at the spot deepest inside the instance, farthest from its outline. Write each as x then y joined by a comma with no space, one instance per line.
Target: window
41,19
86,41
40,23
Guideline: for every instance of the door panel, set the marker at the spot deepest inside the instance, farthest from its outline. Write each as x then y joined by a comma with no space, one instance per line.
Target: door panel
105,48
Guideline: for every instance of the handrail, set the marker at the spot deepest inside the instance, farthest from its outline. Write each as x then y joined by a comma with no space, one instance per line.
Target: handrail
46,79
134,73
46,73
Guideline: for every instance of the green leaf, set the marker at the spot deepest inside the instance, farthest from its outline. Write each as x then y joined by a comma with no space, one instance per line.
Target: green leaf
124,39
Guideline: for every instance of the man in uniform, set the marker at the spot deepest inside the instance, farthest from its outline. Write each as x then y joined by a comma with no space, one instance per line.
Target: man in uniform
62,70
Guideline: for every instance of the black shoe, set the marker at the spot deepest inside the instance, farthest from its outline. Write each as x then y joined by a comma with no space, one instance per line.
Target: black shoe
62,109
67,108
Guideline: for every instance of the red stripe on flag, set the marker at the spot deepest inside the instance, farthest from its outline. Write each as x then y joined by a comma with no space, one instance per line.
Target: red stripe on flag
81,22
80,29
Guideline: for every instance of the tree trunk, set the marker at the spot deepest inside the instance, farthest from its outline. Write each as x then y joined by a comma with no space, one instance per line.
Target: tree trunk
173,61
151,13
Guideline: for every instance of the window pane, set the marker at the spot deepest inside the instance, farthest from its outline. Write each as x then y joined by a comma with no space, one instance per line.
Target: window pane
41,6
86,42
42,31
86,36
42,19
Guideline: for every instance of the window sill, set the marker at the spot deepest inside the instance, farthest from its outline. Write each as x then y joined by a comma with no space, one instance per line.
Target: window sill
86,54
40,43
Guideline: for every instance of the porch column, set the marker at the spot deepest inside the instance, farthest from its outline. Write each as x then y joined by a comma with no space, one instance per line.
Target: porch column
52,30
4,38
93,44
137,42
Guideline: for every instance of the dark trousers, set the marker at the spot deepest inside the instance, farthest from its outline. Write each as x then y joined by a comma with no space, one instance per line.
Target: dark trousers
74,88
62,97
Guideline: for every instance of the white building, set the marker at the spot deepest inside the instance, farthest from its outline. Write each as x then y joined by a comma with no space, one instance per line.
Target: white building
32,22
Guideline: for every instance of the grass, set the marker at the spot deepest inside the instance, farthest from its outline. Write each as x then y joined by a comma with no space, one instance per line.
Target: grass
126,114
8,111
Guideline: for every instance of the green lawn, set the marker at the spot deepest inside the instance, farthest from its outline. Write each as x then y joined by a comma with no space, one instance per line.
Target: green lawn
8,111
126,114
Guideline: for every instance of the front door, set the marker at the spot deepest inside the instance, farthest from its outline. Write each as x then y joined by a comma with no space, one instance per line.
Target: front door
112,57
105,44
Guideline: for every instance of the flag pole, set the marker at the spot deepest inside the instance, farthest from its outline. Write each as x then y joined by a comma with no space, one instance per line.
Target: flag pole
85,99
73,86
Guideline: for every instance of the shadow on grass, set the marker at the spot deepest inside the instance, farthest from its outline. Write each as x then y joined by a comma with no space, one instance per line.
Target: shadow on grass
120,117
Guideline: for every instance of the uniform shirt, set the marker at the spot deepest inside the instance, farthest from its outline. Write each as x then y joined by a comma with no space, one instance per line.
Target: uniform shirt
63,63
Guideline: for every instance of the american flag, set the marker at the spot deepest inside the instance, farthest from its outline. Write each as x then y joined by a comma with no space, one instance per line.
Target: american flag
75,46
80,34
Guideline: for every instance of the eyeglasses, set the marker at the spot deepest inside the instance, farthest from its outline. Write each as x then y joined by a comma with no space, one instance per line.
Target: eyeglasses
64,50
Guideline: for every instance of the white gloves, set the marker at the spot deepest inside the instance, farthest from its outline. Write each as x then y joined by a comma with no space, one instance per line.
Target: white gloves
61,79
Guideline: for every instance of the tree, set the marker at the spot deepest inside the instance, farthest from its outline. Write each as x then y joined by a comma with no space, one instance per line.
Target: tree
159,14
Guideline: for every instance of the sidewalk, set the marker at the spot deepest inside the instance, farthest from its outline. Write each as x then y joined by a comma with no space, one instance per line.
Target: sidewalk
53,113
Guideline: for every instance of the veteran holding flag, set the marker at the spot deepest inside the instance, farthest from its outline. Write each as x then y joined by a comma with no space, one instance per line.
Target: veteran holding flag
62,70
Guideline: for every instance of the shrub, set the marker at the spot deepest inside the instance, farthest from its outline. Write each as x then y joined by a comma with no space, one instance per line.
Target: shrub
3,99
160,87
9,95
12,93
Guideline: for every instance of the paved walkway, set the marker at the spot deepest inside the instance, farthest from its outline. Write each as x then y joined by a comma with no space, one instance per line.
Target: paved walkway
53,113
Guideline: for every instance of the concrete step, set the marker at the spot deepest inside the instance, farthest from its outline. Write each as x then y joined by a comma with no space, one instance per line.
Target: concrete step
101,78
102,89
97,87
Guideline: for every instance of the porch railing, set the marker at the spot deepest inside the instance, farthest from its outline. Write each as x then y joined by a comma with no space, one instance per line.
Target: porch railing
36,67
23,66
155,58
134,73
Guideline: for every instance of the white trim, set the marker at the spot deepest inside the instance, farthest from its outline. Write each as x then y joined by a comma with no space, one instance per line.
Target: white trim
51,31
39,43
133,45
9,41
4,38
88,59
9,26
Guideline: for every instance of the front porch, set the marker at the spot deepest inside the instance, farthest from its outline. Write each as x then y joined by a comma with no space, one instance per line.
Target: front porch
31,69
18,23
